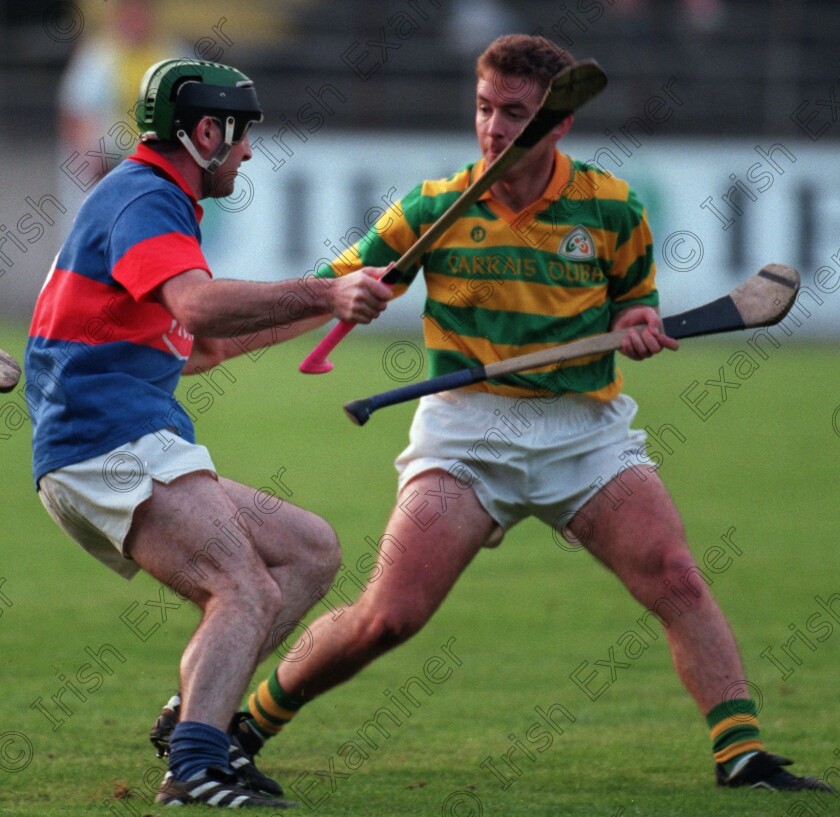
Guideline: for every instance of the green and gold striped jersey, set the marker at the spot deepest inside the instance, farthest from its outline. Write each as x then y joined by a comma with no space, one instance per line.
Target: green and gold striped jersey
501,284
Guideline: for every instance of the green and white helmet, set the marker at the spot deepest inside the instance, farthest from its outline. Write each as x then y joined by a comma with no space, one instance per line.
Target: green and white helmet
174,94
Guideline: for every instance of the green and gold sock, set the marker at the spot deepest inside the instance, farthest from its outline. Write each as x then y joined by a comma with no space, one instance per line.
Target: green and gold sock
271,707
734,731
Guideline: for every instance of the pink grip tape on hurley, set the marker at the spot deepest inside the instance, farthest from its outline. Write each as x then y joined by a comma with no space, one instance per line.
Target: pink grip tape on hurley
316,361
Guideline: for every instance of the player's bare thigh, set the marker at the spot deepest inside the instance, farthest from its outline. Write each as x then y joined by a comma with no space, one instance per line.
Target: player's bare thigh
175,537
282,532
635,529
435,530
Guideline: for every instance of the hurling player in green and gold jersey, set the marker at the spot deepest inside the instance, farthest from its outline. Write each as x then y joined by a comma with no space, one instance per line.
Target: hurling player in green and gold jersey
556,250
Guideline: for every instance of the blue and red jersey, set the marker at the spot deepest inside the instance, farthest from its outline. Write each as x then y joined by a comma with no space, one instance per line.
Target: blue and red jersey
104,357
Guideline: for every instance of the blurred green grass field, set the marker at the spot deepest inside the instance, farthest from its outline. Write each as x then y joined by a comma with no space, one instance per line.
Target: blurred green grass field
759,466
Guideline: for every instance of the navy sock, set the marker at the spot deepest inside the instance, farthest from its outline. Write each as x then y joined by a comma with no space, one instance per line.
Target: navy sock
194,746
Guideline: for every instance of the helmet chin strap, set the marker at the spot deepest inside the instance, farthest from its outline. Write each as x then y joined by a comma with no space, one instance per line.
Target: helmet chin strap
212,164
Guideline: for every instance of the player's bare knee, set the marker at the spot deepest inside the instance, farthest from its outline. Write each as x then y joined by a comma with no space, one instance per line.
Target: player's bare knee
267,601
665,569
328,552
320,558
390,627
258,596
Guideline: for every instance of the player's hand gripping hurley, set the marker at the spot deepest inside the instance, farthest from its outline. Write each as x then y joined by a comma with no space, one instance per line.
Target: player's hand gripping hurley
571,88
762,300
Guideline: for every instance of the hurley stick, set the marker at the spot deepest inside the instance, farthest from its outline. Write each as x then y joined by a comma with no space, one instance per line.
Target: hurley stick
762,300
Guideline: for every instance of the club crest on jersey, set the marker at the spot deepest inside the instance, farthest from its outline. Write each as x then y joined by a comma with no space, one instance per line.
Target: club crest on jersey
577,245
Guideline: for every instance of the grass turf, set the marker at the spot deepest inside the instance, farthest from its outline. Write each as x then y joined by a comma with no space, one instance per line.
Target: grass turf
491,675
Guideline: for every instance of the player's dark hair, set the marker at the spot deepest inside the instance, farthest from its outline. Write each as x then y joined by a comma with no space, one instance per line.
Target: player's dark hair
524,55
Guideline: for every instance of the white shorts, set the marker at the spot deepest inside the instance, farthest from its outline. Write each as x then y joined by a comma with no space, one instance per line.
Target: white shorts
94,501
524,457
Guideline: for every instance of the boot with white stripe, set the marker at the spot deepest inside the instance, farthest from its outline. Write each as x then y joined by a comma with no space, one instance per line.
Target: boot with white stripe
214,787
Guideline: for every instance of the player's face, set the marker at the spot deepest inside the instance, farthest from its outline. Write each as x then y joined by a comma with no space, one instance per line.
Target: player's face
504,103
224,179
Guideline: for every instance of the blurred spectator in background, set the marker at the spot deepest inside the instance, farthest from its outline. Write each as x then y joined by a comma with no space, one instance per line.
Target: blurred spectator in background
474,23
704,15
98,91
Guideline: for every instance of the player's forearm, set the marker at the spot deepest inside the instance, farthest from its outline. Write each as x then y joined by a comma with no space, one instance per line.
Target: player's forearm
208,352
226,309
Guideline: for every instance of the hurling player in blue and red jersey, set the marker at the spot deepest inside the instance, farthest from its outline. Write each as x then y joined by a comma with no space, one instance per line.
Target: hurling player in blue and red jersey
128,307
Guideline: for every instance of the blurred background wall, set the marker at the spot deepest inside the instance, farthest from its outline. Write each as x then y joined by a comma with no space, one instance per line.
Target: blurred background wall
722,113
